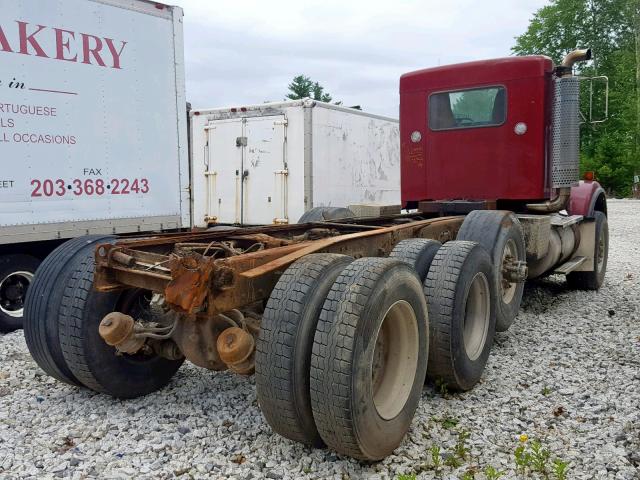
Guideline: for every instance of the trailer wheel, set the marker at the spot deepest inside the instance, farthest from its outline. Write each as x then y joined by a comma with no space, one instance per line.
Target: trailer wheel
417,252
283,352
594,279
369,358
500,233
16,275
462,318
94,363
321,214
42,307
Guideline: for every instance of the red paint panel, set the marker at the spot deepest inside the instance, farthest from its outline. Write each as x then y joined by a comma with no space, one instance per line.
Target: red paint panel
484,162
582,199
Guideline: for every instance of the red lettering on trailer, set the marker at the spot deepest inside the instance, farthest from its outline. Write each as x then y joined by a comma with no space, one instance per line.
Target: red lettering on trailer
87,50
89,187
61,45
115,54
4,43
26,40
66,45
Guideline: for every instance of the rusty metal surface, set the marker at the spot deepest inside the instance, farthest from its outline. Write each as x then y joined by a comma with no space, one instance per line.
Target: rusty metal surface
197,280
236,348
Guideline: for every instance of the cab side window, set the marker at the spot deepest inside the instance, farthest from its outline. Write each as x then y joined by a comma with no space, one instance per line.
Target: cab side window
478,107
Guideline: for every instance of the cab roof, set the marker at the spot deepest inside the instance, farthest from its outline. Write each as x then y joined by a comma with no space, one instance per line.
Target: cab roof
476,73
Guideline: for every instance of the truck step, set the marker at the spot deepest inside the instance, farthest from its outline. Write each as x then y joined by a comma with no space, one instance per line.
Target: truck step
565,220
570,266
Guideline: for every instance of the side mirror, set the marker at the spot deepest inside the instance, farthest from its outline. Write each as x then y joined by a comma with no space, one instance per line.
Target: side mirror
597,88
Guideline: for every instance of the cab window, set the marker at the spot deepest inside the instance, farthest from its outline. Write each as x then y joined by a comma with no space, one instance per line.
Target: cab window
478,107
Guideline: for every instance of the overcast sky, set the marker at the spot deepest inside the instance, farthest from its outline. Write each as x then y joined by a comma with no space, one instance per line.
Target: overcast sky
245,52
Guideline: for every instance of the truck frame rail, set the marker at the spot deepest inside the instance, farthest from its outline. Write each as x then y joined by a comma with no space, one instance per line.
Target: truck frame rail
223,270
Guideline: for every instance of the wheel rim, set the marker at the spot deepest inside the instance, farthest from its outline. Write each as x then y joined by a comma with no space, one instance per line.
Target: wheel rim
13,288
507,288
395,359
476,316
601,251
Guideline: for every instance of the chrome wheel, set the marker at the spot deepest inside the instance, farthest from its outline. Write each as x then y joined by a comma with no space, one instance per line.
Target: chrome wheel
13,289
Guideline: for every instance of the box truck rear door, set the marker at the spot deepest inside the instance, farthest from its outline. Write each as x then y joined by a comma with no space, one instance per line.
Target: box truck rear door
264,186
224,170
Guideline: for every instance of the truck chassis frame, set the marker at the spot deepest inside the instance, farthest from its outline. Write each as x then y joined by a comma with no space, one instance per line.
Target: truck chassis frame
194,282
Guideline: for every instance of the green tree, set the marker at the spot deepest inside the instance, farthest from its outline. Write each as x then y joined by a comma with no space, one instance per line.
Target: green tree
610,28
303,87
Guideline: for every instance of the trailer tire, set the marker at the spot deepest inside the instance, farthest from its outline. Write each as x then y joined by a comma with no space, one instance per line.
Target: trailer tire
594,279
93,362
369,358
283,353
461,302
322,214
500,233
42,308
16,275
417,252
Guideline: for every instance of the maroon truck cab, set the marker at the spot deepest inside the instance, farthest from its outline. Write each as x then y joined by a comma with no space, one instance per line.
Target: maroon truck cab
477,131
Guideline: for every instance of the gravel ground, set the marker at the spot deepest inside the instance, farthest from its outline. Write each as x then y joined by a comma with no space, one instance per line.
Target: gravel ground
567,373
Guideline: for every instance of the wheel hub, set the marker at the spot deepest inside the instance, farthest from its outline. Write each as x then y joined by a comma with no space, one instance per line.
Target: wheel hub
395,359
13,288
513,271
476,318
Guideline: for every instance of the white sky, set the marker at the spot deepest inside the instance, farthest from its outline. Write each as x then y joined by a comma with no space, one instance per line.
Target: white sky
247,51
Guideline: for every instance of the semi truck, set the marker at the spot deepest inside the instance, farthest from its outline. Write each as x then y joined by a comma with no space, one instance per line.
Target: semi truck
342,320
94,139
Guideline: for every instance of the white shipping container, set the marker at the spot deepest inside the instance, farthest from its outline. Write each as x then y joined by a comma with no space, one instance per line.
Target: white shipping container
93,131
269,163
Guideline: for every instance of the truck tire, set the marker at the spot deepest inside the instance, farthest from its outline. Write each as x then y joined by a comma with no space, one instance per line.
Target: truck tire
283,353
417,252
369,358
42,307
462,317
93,362
321,214
500,233
594,279
16,275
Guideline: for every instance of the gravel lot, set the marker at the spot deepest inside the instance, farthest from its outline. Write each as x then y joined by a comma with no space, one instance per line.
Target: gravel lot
567,373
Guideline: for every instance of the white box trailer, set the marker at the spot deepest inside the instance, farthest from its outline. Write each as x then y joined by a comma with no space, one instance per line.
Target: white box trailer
93,128
270,163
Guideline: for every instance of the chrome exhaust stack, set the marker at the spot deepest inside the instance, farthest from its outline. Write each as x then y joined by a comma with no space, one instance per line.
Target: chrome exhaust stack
565,134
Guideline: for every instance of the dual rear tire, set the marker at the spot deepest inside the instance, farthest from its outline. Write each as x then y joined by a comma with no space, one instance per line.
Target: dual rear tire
355,383
62,314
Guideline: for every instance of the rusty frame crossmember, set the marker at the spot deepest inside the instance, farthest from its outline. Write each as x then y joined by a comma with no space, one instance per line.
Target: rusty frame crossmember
192,282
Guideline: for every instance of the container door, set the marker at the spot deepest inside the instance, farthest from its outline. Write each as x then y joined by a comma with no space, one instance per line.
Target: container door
264,171
223,170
